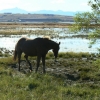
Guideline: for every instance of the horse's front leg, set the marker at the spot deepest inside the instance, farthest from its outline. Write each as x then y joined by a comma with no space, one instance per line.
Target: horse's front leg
26,57
43,62
38,62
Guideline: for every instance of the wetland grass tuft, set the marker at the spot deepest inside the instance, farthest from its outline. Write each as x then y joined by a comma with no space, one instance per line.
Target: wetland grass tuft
73,55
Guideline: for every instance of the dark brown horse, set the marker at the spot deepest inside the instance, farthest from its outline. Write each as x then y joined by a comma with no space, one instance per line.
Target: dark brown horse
35,47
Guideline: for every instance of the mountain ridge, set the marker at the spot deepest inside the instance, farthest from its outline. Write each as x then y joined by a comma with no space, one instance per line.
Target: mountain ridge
58,12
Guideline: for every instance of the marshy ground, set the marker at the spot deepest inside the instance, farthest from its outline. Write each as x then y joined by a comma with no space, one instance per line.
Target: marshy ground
76,76
73,69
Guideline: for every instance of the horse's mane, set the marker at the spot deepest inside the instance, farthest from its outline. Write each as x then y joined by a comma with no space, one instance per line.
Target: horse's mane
46,37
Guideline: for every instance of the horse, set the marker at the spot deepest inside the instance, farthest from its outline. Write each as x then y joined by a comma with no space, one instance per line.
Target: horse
35,47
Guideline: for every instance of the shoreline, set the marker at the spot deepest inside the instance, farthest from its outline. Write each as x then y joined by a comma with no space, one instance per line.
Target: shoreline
36,25
40,25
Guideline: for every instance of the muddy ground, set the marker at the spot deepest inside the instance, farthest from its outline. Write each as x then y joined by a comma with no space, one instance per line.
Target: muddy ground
71,69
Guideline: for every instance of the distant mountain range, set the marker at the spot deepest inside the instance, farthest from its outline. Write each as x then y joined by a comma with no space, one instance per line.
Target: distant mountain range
21,11
14,10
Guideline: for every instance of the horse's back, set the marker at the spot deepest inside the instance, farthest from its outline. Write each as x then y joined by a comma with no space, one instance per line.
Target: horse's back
34,46
33,43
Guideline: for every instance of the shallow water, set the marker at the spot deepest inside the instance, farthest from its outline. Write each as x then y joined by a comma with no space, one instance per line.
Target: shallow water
68,44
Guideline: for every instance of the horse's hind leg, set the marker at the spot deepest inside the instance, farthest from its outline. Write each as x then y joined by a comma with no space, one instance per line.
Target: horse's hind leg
19,57
26,57
43,61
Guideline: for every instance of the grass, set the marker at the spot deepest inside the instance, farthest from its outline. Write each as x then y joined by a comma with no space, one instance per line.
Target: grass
43,87
52,86
4,52
74,55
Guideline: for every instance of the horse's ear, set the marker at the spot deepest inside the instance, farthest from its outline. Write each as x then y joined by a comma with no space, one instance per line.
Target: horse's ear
59,43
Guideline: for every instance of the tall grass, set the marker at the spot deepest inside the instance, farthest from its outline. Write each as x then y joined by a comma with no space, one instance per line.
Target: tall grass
73,55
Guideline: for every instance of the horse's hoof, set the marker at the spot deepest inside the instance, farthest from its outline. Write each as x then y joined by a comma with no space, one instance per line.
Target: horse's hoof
56,61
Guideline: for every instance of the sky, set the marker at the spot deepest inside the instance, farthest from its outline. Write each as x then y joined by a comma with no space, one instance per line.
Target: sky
36,5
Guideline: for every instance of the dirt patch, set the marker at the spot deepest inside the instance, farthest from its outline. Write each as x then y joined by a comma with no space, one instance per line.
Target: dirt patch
70,69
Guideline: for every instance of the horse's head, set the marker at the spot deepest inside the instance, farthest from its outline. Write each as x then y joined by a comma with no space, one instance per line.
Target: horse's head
55,50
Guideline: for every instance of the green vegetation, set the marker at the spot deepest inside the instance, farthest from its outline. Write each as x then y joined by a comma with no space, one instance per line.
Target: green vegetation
87,20
71,78
82,22
5,53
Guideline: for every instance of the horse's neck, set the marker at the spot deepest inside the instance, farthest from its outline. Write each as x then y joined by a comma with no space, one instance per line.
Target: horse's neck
52,45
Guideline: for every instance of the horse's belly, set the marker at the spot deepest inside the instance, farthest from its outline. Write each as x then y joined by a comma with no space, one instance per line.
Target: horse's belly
31,53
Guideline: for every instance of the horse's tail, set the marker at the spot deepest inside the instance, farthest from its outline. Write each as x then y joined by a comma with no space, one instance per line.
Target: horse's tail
17,48
15,55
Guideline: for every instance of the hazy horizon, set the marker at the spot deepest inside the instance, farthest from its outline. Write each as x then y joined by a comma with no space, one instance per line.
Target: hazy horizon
54,5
